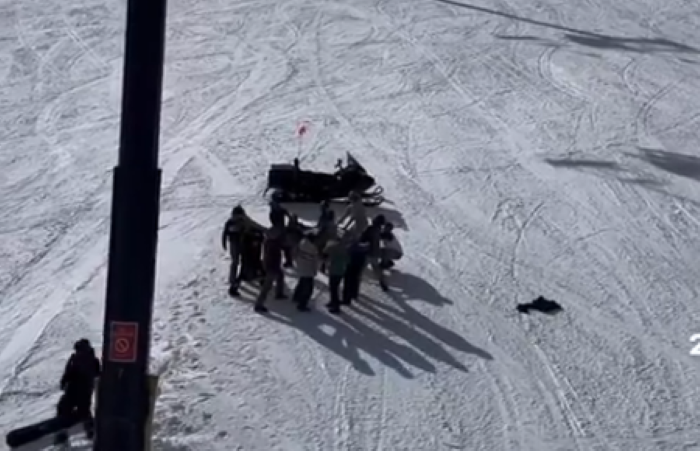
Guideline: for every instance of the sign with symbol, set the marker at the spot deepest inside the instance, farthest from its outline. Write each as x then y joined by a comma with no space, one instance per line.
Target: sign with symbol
123,342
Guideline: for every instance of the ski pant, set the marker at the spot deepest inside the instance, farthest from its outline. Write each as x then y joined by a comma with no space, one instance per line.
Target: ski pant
235,252
303,291
251,260
334,281
272,278
353,280
288,255
377,266
78,404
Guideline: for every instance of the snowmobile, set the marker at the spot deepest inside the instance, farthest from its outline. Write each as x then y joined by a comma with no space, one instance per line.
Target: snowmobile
290,183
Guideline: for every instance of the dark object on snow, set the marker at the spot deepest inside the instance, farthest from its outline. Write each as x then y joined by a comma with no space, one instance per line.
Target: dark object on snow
290,183
541,305
57,427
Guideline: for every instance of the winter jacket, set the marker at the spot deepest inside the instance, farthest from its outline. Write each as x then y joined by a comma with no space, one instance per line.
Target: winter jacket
81,371
357,257
327,215
356,214
390,247
272,250
278,215
326,226
307,259
234,228
337,257
294,233
371,237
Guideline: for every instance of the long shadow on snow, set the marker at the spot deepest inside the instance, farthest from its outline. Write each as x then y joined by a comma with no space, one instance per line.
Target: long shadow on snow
609,169
369,325
409,286
310,212
587,38
582,163
683,165
672,162
346,336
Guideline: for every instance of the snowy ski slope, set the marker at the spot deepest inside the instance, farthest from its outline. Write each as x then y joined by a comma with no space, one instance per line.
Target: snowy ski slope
531,147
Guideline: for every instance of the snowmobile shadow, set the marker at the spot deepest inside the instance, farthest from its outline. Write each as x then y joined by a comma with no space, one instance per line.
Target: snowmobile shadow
310,213
411,286
399,338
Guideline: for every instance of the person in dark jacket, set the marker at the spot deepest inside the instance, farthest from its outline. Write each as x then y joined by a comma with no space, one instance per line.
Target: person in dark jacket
272,263
352,280
281,218
391,249
251,256
78,384
278,214
235,229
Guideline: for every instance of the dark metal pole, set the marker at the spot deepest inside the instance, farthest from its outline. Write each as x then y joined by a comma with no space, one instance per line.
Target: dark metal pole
122,402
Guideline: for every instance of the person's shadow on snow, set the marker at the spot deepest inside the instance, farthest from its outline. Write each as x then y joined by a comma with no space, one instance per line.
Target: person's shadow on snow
405,288
346,336
399,337
407,285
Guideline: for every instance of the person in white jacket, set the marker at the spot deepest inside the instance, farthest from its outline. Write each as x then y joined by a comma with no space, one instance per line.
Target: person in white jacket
308,259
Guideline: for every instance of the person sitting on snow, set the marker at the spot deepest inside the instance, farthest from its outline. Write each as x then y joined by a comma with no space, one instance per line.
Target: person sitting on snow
78,384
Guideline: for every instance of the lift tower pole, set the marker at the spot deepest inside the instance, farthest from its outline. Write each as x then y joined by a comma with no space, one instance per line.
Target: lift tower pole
123,395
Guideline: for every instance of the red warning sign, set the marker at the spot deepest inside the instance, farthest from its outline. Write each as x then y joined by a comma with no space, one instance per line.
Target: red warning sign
123,342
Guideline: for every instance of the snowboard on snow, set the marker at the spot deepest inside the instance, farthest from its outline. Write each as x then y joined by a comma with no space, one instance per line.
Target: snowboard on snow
42,435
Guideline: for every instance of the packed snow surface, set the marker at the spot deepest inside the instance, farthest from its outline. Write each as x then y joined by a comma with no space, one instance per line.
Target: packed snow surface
531,147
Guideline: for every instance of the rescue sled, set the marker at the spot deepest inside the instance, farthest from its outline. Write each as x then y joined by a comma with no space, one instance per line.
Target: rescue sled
290,183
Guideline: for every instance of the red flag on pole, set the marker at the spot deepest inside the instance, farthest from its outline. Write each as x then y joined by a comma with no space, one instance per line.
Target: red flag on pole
302,129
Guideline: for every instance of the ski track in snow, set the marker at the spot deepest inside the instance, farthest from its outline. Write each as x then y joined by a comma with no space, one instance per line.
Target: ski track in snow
537,148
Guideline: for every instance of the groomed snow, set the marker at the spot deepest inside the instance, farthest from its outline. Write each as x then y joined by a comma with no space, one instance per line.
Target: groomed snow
528,148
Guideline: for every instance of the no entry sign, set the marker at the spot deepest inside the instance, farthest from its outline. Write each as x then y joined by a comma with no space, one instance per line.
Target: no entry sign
123,342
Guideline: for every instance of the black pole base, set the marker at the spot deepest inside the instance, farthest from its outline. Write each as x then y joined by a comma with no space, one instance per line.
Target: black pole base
122,403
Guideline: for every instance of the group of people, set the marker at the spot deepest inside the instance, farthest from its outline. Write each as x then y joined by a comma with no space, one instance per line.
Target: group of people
339,247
